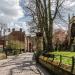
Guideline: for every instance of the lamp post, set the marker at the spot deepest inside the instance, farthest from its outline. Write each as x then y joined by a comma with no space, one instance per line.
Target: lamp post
21,39
4,49
5,41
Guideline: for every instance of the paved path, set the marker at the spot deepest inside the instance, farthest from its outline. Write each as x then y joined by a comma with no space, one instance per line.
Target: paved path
21,65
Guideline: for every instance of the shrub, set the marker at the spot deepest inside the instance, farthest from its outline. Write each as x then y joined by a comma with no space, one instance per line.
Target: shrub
37,54
2,56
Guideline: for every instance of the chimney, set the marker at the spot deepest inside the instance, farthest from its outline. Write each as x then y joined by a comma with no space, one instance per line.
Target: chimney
13,29
20,29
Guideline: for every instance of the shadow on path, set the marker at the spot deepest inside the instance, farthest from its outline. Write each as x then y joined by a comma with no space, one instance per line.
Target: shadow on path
24,65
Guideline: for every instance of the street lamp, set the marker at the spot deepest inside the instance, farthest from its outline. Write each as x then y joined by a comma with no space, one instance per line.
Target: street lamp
5,42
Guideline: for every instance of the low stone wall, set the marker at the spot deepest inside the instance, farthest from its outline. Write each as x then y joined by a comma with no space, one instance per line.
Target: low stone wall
54,67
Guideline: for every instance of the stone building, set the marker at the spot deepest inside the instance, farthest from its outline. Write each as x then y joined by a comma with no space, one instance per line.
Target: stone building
71,32
30,44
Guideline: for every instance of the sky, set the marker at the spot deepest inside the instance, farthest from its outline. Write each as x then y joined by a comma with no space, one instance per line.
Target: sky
69,5
12,13
10,10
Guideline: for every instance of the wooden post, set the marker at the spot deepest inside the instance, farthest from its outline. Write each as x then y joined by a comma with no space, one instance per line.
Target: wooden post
53,57
60,59
72,68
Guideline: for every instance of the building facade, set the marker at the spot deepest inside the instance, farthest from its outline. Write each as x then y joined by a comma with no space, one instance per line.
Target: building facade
16,39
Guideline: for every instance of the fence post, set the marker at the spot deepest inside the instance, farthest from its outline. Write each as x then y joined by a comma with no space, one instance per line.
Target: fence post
60,59
53,57
72,68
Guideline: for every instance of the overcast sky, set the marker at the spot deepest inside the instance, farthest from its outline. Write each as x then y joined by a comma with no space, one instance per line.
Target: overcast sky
11,12
69,6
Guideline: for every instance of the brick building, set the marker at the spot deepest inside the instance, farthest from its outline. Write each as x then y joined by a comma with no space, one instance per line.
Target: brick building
16,39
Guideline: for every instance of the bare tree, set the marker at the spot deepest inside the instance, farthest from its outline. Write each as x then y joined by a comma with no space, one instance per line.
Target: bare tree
3,28
44,13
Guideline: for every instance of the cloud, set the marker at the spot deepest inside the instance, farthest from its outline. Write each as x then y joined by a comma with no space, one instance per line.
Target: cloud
9,11
69,3
59,26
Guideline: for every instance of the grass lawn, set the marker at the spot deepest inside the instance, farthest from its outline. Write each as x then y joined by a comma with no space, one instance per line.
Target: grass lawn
66,57
69,54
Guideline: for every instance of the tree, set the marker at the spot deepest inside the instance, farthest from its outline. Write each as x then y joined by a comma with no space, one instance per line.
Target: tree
3,28
44,14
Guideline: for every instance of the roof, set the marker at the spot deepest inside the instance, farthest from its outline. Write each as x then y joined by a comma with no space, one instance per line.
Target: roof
17,35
